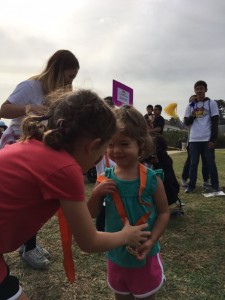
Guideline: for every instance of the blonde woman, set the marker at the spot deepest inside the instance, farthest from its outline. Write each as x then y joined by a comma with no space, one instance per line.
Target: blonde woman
30,96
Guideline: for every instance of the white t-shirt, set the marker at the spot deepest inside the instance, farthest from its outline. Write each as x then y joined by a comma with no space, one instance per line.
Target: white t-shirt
26,92
200,130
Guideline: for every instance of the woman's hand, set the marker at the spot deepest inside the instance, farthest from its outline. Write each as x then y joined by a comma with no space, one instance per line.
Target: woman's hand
35,109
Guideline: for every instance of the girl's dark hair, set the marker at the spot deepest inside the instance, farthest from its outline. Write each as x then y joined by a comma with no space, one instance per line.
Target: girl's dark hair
132,123
72,116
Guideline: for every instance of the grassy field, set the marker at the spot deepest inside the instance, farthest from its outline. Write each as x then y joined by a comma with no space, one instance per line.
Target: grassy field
192,248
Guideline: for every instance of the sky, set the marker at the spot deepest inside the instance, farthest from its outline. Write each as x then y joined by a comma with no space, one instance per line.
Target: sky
159,48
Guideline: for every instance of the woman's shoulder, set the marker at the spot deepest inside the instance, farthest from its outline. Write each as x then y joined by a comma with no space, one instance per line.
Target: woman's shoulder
28,84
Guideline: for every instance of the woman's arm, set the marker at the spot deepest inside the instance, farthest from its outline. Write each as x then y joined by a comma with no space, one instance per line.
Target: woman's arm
12,111
89,240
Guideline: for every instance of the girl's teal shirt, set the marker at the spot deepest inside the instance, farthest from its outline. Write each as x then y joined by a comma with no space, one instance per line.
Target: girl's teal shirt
129,194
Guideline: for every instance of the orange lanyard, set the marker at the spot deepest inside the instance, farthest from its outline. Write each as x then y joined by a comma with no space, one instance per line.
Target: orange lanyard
118,202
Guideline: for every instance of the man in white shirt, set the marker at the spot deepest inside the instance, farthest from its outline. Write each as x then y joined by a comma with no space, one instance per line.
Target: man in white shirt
202,116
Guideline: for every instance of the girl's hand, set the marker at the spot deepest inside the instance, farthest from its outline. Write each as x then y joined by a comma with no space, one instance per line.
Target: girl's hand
144,249
135,235
107,187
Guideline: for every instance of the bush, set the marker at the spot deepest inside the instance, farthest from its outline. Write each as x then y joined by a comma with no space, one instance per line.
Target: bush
173,138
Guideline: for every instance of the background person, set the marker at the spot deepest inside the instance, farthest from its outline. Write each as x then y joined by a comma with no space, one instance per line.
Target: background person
159,121
203,119
3,127
186,168
30,96
106,162
149,117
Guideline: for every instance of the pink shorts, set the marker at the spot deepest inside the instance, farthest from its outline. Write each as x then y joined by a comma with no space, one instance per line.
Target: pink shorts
141,282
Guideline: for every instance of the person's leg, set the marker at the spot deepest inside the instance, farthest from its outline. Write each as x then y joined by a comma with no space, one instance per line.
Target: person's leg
210,158
194,156
35,256
30,244
152,297
9,285
23,297
186,168
124,297
205,169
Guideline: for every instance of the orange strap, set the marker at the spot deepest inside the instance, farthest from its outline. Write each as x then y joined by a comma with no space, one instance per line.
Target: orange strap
118,202
66,239
143,181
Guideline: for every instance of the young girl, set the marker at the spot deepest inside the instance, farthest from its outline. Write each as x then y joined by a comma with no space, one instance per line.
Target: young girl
136,192
44,171
30,96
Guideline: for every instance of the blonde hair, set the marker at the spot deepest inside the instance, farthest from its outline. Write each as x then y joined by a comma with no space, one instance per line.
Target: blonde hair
73,115
132,123
52,76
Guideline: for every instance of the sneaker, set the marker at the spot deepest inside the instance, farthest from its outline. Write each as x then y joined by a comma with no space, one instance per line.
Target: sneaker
44,251
216,190
189,190
36,259
40,249
184,183
206,184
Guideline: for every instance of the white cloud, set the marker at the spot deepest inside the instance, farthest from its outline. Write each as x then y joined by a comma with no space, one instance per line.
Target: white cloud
157,47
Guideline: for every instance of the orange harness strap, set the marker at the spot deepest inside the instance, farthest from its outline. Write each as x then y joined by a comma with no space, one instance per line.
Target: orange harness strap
66,239
118,202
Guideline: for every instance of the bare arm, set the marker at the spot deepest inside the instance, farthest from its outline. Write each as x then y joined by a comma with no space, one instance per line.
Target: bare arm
11,110
86,236
161,221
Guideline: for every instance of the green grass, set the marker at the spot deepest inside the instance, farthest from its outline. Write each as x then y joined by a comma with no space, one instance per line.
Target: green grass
192,249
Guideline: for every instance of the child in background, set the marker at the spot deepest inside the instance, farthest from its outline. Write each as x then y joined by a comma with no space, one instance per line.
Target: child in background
149,116
132,272
44,171
3,127
106,162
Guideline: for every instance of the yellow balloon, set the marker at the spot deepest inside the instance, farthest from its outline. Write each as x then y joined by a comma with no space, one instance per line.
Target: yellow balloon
171,110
